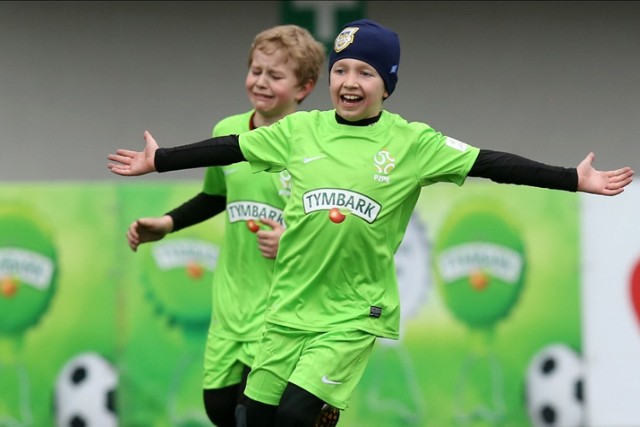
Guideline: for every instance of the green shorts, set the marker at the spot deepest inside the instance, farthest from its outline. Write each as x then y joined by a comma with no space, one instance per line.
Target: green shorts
328,365
224,361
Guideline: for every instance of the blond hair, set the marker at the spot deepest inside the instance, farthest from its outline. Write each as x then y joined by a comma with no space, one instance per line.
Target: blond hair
298,45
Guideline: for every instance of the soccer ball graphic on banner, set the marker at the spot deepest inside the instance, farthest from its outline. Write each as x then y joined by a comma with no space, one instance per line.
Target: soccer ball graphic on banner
85,392
554,387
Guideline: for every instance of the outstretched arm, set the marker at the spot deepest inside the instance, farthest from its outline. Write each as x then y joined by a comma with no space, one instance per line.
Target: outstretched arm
509,168
216,151
606,183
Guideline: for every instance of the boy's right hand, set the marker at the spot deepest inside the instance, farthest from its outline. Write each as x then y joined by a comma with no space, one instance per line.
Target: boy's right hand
269,240
145,230
133,163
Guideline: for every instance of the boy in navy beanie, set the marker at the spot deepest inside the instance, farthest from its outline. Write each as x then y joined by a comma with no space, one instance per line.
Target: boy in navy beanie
372,43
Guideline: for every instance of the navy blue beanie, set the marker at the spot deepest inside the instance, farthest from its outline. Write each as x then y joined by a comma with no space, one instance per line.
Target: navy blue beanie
372,43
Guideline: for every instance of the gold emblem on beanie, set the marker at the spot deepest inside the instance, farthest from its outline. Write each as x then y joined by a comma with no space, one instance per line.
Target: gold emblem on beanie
345,38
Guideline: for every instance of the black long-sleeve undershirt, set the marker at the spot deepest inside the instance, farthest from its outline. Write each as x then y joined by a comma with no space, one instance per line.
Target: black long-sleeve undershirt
211,152
507,168
216,151
497,166
200,208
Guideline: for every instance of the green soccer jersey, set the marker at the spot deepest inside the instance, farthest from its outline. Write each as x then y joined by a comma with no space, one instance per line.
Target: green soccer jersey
243,276
353,191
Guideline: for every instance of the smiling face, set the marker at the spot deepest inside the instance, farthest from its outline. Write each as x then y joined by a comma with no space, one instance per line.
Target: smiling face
272,86
356,88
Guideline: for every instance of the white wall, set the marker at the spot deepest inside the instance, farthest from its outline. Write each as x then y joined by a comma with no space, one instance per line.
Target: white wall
610,233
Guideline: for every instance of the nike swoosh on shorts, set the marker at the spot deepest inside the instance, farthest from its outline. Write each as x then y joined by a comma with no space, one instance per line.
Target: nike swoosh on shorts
328,381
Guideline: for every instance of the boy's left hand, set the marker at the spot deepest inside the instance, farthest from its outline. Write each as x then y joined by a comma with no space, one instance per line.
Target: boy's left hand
606,183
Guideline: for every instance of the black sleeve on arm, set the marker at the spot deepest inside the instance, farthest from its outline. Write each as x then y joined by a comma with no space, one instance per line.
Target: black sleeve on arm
217,151
509,168
198,209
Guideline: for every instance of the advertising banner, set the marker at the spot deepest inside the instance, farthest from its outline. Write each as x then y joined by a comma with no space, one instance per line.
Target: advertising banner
92,332
60,322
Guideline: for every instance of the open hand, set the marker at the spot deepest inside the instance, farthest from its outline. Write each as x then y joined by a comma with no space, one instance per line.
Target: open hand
606,183
134,163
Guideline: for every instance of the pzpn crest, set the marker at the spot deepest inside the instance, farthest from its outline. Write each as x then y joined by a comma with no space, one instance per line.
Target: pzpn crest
345,38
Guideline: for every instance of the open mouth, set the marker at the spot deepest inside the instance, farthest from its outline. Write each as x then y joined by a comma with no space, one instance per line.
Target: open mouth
350,99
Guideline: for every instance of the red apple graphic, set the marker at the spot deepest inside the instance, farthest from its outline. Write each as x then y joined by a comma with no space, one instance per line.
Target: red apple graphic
478,280
336,216
253,226
8,287
194,270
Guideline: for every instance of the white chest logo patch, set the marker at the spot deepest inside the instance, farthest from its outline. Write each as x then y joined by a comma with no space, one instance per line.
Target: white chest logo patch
244,210
384,163
350,201
285,183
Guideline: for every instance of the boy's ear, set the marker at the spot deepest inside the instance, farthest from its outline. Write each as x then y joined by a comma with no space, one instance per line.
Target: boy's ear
305,90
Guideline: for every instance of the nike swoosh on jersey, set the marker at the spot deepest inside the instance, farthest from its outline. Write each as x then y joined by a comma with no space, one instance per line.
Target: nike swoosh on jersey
328,381
229,171
311,159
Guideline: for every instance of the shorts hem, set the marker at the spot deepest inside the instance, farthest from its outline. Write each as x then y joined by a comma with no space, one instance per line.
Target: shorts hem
327,398
259,397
